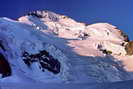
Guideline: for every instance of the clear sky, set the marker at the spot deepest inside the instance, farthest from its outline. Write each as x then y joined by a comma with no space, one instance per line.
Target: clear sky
116,12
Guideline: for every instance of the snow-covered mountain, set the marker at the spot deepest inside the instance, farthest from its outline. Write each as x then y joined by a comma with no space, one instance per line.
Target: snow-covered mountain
43,46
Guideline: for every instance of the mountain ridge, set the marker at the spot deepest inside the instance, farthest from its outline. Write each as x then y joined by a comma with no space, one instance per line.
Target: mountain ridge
85,53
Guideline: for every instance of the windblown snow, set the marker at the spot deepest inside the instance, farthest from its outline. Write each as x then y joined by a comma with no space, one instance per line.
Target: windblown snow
46,47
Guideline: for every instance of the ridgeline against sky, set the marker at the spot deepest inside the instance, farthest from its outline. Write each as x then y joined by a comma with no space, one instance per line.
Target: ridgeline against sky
116,12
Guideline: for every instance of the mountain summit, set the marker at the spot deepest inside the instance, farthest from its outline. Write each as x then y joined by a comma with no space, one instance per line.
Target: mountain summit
46,47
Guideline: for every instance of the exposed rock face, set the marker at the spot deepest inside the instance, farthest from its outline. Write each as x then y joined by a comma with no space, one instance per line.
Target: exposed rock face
49,47
126,38
44,14
129,48
5,69
45,60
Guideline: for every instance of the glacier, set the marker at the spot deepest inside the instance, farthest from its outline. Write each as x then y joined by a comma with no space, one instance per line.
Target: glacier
45,48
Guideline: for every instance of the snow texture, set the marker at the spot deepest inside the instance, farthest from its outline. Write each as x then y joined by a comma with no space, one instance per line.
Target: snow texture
47,48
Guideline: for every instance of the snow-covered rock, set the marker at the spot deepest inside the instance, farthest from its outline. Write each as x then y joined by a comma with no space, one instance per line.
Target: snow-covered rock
47,47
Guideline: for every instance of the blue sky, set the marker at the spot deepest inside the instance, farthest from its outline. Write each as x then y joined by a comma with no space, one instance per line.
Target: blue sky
116,12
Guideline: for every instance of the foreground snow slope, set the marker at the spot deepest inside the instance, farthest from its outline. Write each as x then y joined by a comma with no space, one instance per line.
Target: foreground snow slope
51,48
116,85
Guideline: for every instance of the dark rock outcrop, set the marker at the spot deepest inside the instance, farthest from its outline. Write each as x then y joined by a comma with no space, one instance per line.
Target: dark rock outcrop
129,48
5,69
44,14
126,38
45,60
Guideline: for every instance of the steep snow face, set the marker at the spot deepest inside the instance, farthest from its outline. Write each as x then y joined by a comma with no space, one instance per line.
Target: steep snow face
48,47
60,24
34,57
106,31
63,26
104,34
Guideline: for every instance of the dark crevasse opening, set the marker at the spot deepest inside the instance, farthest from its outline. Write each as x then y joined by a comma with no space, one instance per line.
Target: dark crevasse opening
5,68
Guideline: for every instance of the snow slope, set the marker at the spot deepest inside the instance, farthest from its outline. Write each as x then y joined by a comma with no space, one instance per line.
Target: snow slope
116,85
46,47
